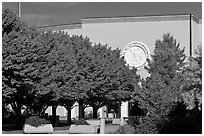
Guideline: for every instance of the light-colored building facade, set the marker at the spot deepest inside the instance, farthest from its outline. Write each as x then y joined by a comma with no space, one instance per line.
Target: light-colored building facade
118,32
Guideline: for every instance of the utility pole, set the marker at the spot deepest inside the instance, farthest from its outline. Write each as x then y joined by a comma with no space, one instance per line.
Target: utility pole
19,9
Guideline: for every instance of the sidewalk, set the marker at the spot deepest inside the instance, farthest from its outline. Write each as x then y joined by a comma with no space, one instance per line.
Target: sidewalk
61,132
12,132
21,132
108,129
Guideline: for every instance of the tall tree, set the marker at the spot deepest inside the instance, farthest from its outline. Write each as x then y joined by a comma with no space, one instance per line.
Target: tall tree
161,88
82,47
61,72
105,77
186,115
25,55
19,54
192,85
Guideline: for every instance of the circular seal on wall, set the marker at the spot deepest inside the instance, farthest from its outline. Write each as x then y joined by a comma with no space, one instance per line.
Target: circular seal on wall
136,54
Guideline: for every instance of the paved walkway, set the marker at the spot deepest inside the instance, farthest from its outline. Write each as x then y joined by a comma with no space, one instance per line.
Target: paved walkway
108,129
21,132
61,132
13,132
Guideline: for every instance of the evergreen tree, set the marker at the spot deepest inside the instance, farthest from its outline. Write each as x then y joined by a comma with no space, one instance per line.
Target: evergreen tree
186,115
161,88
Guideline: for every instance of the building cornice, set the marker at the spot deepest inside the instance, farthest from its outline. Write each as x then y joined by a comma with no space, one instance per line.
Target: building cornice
61,27
198,21
120,19
138,19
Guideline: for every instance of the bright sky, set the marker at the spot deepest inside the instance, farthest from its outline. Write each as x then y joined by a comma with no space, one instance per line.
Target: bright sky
50,13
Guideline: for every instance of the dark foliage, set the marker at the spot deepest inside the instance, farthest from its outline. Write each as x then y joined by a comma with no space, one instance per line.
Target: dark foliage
183,121
186,115
136,113
80,122
36,121
19,52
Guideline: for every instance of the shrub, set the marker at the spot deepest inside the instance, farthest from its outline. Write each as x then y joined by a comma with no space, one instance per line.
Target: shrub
36,121
80,122
126,129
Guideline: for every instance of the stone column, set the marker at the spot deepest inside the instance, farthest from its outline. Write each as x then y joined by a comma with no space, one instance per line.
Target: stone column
102,126
77,110
124,112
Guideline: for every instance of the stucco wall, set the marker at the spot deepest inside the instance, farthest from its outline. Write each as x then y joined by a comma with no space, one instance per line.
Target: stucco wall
119,34
122,33
196,36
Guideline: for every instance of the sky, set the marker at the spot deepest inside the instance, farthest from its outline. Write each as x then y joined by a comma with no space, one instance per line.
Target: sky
54,13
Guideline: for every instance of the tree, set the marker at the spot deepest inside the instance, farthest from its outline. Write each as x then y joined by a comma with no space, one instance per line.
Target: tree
60,76
25,58
97,77
92,75
161,88
49,69
186,116
192,85
19,52
82,47
105,77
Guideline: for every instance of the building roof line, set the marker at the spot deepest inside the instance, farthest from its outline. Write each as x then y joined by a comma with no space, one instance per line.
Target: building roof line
138,18
62,25
144,18
135,16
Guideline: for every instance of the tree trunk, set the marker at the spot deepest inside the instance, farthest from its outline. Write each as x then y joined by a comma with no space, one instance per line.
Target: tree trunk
68,107
81,110
83,113
18,119
43,111
54,107
95,109
16,106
